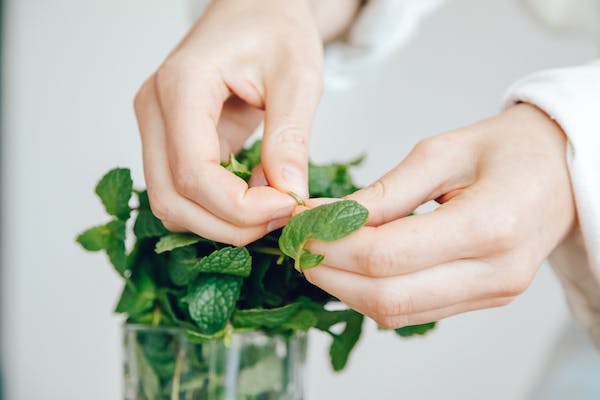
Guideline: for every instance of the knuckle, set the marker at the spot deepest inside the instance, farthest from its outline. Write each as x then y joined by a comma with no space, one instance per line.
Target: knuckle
377,190
170,76
240,240
308,77
388,322
505,233
292,136
512,286
499,234
168,72
142,98
388,302
378,262
431,146
159,205
184,182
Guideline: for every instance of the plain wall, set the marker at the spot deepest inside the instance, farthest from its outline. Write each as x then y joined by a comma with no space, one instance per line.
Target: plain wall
71,70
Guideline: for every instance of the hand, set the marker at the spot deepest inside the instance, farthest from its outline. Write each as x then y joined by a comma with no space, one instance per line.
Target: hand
506,202
209,95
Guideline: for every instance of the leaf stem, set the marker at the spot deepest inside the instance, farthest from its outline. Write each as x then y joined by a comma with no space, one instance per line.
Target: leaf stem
177,375
266,250
156,316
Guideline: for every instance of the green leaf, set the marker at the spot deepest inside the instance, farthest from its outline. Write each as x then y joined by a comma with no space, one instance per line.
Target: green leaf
250,156
237,168
211,301
181,264
265,318
303,320
253,290
95,239
228,260
175,240
116,246
331,180
144,202
109,237
343,343
148,226
309,260
413,330
162,297
149,382
184,266
138,295
114,189
327,222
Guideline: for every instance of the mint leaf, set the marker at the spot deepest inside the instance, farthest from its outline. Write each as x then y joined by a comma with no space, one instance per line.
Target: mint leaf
181,264
332,180
175,240
149,381
413,330
228,260
148,226
250,156
211,301
138,295
144,202
343,343
303,320
327,222
237,168
114,189
184,266
266,318
95,239
109,237
116,246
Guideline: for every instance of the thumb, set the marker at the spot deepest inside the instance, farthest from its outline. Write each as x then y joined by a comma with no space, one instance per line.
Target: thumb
290,105
431,170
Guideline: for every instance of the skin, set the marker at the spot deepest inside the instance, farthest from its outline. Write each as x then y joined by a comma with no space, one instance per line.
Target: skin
212,92
502,183
506,203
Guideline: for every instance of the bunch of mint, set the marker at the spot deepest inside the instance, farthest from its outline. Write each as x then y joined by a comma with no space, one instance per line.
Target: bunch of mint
210,289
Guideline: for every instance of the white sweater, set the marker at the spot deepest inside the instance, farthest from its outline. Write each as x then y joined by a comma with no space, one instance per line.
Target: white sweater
571,96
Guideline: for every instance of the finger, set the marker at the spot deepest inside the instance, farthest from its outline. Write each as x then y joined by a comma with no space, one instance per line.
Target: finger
436,288
399,321
458,229
291,100
191,109
258,177
435,166
175,211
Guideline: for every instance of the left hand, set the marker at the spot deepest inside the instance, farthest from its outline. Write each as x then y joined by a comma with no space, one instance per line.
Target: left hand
506,203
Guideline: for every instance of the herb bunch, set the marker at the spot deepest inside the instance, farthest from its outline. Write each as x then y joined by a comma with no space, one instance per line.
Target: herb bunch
211,290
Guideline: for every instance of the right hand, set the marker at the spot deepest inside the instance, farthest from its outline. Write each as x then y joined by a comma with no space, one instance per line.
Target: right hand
206,99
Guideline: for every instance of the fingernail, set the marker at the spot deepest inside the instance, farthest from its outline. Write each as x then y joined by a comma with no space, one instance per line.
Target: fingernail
295,178
277,223
283,212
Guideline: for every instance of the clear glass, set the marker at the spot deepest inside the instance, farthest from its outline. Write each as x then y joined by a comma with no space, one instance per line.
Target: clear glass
163,364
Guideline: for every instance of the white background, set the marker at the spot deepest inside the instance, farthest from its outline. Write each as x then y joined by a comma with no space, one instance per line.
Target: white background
72,67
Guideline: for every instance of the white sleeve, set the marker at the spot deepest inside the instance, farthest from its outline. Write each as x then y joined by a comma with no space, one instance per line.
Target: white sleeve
571,96
381,27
